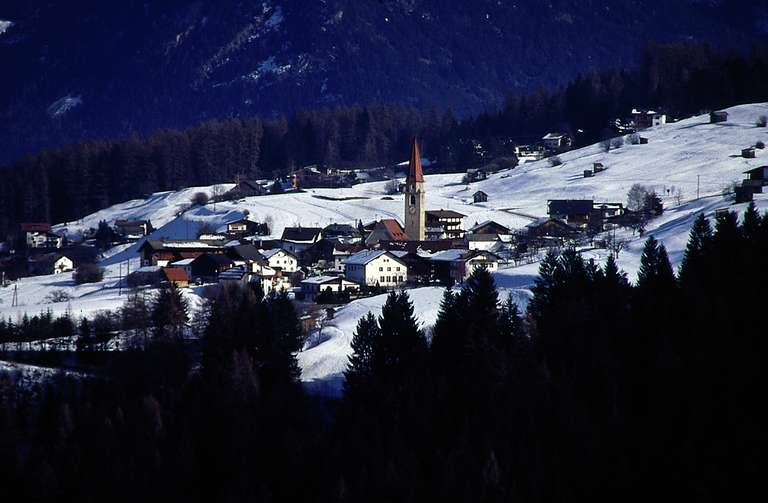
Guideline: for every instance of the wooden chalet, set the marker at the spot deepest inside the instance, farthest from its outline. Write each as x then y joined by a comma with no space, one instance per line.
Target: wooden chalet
133,230
575,212
718,116
246,188
242,227
489,227
208,266
163,251
175,276
446,224
480,197
298,239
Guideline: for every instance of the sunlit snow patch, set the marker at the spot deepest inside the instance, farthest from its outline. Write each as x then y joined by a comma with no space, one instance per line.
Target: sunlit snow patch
64,105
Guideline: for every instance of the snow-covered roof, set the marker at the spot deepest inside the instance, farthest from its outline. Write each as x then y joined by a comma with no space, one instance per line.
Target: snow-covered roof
268,254
321,280
367,256
148,269
236,273
448,255
182,263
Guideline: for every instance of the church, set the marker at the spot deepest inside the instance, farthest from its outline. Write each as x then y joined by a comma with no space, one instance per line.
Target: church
415,215
421,225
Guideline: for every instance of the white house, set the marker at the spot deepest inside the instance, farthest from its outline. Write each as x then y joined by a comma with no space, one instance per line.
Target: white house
269,278
299,239
483,242
50,263
372,267
280,259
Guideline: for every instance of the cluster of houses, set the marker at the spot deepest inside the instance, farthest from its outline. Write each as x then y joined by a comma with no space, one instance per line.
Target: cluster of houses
432,247
37,250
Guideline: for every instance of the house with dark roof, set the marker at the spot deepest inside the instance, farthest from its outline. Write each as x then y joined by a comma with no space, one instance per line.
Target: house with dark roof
208,266
299,239
133,230
244,254
551,228
242,227
575,212
245,188
644,119
718,116
490,227
480,197
444,224
163,251
343,232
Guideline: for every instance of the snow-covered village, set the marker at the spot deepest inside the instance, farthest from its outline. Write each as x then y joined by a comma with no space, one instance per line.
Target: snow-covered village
553,297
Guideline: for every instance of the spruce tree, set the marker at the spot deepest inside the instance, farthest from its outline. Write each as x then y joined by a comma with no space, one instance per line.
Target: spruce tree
359,374
402,345
699,242
750,227
170,313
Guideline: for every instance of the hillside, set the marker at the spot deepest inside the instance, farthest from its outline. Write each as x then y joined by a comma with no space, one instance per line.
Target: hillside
678,157
139,66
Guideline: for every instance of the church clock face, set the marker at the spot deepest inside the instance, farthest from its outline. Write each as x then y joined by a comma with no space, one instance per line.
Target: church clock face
412,209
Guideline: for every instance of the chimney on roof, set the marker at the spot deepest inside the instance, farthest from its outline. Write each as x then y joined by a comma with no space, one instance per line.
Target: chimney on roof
415,174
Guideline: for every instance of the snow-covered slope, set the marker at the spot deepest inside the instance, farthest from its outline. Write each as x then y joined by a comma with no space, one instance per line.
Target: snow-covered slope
679,159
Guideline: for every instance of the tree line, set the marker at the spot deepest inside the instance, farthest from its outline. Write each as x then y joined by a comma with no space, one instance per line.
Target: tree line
601,389
64,184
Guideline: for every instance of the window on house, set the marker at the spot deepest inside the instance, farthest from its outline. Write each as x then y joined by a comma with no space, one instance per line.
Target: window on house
389,269
381,279
381,269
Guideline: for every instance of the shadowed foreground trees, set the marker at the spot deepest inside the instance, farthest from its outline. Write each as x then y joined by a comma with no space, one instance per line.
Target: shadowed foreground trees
602,389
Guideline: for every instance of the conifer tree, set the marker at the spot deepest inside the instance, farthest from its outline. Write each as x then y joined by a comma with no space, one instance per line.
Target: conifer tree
170,313
699,242
752,221
360,370
402,344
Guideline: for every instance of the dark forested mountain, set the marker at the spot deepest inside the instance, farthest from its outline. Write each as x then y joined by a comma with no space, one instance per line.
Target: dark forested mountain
85,69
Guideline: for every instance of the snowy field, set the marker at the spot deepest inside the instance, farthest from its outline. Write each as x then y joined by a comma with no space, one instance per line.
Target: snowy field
679,159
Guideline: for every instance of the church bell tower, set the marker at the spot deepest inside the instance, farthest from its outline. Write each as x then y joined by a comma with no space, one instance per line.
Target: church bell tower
415,224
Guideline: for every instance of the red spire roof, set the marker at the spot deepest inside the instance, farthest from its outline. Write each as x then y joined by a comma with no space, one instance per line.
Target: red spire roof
414,167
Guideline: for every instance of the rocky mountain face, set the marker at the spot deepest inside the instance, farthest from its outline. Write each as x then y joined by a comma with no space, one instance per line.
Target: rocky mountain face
87,69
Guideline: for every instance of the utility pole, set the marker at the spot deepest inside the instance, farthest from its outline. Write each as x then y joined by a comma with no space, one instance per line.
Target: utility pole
698,186
120,280
15,301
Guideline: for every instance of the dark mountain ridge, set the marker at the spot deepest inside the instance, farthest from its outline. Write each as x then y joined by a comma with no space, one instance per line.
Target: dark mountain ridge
89,69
